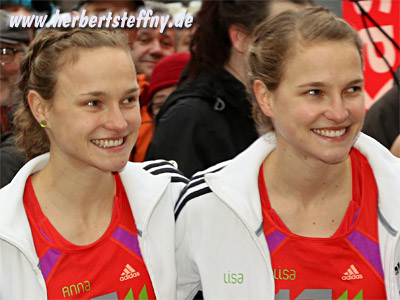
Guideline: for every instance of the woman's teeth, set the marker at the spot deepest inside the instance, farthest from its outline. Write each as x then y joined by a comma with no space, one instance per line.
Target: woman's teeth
330,133
108,143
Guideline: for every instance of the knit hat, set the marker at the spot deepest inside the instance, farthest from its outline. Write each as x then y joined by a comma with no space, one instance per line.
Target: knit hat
166,73
10,35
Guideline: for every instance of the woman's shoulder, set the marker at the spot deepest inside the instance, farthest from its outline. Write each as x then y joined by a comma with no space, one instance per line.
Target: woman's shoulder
375,151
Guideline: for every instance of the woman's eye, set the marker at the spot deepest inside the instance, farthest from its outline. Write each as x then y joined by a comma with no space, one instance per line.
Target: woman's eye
314,92
128,100
354,89
93,103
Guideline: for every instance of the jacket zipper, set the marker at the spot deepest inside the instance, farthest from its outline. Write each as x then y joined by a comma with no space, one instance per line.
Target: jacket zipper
142,241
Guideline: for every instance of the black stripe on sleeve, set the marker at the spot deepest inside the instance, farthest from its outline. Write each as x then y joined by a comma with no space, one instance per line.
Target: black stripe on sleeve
179,179
189,197
202,174
166,170
156,164
186,188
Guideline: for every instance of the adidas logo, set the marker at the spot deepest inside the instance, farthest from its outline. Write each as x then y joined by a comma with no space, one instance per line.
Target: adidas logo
352,274
128,273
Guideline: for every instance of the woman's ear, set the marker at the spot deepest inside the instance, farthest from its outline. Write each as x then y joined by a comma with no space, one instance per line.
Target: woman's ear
263,97
38,106
238,37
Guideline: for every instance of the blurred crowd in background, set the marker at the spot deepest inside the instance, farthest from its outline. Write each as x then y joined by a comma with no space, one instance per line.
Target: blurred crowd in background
165,61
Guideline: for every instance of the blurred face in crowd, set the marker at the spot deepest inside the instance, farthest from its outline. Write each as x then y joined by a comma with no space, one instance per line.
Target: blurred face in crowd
318,108
18,10
94,118
184,38
11,56
151,46
159,98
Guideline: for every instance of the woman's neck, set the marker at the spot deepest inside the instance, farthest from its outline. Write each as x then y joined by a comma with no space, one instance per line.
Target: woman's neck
78,202
311,197
236,66
305,178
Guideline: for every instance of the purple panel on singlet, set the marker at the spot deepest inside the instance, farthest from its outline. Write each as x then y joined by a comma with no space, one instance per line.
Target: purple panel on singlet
48,261
127,239
274,239
369,249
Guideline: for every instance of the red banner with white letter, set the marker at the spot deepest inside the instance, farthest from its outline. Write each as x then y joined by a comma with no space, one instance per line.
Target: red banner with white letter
386,13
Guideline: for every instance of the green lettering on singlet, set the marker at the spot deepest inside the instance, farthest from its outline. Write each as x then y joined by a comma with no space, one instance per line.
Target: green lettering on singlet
143,294
129,296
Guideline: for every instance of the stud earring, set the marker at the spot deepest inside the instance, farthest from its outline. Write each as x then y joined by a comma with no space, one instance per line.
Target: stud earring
43,123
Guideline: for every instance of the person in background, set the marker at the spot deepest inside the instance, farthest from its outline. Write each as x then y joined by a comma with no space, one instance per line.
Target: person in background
149,46
382,121
297,215
79,220
15,8
207,119
185,36
163,82
13,44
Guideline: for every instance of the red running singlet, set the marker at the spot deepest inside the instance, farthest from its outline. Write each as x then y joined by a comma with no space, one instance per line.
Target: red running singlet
345,266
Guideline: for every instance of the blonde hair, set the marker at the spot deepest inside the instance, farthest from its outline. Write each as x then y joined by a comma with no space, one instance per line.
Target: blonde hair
47,54
277,38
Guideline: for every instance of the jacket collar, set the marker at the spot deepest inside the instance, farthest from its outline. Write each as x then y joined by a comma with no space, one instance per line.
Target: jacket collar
386,169
143,189
14,224
237,183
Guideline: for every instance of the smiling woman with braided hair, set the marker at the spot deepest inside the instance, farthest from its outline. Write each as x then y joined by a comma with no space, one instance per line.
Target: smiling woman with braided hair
79,220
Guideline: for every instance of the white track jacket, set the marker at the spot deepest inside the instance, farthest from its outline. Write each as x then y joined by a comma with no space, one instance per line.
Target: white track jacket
220,243
152,189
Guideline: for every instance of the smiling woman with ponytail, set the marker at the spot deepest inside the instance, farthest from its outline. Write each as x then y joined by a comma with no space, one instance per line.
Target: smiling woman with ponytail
311,209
